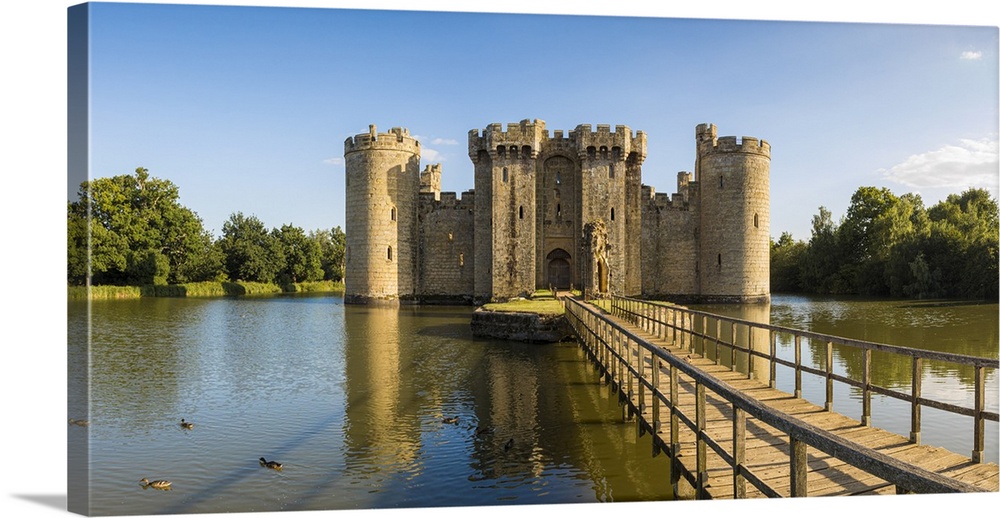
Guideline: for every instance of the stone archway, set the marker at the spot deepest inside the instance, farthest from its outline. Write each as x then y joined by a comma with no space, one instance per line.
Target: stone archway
559,269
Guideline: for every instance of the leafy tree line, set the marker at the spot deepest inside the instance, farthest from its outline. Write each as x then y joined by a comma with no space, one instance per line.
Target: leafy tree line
888,245
139,234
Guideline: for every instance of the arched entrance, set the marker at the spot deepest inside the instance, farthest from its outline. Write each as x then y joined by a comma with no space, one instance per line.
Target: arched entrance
559,269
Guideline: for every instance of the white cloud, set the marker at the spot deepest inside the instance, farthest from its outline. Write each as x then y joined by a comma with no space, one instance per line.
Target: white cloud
430,156
972,55
444,141
971,163
334,161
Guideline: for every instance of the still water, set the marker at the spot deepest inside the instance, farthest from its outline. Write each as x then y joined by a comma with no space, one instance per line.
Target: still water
351,400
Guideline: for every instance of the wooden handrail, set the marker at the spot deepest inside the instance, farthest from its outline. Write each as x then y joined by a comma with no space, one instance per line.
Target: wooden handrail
906,476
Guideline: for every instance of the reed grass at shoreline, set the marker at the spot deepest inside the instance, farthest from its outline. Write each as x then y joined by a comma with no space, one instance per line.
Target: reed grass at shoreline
200,289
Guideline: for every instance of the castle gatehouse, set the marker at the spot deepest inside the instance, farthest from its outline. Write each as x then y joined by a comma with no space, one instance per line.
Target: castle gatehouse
566,209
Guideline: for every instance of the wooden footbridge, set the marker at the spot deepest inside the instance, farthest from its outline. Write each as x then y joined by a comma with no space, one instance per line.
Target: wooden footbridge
703,386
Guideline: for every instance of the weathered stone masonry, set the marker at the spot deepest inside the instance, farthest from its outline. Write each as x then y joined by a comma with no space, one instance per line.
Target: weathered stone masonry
562,210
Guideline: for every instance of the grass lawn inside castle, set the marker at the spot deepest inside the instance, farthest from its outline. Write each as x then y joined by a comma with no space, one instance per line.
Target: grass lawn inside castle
541,302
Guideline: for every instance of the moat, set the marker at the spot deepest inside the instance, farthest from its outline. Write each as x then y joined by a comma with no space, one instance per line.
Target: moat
353,401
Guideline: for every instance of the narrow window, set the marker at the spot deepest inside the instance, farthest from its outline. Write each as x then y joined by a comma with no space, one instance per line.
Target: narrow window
558,177
611,171
389,253
450,237
720,259
612,213
392,213
756,224
720,181
558,209
461,259
505,174
520,212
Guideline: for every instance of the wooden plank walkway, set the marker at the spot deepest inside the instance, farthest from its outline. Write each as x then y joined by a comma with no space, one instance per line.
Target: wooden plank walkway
768,452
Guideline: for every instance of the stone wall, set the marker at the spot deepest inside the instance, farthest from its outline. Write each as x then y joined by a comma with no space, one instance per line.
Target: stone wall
382,181
446,248
534,197
735,216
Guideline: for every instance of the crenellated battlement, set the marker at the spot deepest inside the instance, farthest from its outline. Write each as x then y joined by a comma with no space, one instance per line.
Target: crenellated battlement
708,141
447,201
604,143
679,200
520,140
397,139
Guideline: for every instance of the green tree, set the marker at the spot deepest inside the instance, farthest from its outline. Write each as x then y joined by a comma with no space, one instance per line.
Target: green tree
962,244
332,245
864,243
303,261
787,257
251,252
123,224
821,266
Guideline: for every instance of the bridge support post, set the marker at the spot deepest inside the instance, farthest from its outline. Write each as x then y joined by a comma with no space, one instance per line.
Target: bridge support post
866,387
799,468
915,402
739,452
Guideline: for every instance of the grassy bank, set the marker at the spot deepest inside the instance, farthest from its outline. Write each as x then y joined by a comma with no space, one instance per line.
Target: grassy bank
541,302
200,289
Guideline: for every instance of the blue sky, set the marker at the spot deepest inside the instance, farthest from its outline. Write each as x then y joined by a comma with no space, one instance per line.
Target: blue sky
842,106
246,108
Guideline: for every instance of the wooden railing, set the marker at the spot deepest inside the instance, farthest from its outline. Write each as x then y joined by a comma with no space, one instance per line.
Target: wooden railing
693,328
635,362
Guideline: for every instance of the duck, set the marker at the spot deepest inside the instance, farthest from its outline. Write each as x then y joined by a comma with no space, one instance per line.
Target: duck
270,464
450,420
481,430
186,425
157,484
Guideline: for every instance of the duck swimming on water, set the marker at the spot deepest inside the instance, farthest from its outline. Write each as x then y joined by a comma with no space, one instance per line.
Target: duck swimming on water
450,420
270,464
157,484
186,425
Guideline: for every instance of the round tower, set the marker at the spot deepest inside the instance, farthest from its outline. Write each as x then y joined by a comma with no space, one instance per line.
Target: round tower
382,185
734,231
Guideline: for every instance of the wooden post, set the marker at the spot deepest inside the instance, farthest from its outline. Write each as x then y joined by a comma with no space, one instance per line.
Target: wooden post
978,419
866,388
915,402
655,367
798,366
797,457
732,349
718,339
774,354
739,452
701,455
750,372
675,444
828,406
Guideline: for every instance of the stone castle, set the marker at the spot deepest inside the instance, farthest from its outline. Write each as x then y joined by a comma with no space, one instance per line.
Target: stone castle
561,210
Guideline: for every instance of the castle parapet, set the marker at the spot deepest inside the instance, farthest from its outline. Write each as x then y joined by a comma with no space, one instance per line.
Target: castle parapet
396,138
429,202
708,141
619,144
520,140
